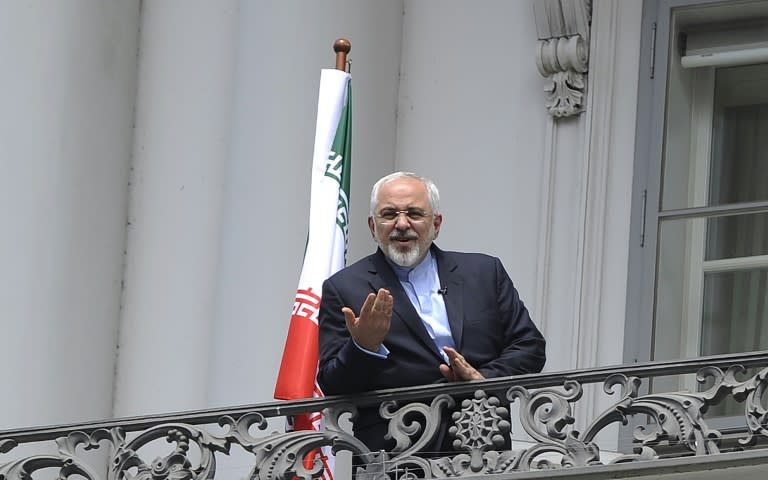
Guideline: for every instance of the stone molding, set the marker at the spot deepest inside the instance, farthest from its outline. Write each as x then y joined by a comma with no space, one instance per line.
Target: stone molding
562,52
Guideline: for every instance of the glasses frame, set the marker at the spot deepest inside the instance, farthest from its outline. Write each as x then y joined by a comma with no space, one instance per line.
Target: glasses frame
397,213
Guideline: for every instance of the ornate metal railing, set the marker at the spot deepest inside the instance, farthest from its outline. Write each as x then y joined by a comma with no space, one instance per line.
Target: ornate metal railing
667,424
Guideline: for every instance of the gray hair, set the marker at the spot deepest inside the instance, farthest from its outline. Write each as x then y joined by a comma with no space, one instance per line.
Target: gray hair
432,192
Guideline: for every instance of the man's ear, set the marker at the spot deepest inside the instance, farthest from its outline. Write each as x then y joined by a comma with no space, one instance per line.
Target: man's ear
372,227
438,221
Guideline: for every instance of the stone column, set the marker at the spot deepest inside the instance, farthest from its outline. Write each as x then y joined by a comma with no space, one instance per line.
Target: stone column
67,90
181,146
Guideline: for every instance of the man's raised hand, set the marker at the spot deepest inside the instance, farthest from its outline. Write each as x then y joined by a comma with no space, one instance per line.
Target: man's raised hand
371,327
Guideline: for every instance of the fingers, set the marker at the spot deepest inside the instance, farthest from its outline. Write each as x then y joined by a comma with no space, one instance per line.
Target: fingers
382,305
365,310
349,317
371,327
461,369
447,373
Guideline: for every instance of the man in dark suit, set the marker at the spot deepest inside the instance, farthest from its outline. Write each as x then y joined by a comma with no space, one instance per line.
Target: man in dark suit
425,315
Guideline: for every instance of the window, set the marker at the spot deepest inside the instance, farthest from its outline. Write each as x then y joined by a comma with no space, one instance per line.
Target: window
699,262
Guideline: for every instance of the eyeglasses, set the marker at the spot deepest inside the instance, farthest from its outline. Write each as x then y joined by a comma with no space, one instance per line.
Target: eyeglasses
414,215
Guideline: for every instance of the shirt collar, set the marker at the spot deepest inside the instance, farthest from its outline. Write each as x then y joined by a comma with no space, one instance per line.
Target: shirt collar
403,273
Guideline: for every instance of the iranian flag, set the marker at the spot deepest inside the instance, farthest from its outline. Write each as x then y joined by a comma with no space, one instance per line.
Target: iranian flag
326,242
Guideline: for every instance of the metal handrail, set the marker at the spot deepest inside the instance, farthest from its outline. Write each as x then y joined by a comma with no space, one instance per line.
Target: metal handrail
295,407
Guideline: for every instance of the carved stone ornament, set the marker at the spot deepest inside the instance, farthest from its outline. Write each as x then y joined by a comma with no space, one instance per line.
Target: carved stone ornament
562,53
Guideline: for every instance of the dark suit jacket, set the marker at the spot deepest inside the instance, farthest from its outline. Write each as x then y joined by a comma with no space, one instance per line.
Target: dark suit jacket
489,323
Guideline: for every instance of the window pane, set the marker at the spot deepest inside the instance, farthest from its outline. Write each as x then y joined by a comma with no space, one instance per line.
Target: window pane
678,184
679,264
735,312
701,299
735,319
737,236
725,109
740,142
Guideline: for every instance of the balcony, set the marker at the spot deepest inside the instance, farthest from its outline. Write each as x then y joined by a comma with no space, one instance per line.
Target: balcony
668,435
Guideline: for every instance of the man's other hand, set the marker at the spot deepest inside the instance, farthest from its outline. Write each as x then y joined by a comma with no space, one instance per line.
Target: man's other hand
459,368
371,327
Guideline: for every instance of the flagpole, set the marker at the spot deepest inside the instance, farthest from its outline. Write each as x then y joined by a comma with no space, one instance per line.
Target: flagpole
342,47
325,249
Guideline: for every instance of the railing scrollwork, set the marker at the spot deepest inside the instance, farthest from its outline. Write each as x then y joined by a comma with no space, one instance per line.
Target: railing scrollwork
480,424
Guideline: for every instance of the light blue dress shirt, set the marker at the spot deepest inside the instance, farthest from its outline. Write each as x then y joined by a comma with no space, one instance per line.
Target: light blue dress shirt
422,285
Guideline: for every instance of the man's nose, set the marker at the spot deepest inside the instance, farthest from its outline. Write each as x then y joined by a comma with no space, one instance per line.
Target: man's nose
401,222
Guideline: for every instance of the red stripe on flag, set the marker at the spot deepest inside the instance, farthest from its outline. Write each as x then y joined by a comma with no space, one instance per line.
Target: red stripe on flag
303,422
309,462
299,365
308,421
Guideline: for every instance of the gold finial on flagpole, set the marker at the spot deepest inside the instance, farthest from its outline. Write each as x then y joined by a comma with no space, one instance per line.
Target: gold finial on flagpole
342,48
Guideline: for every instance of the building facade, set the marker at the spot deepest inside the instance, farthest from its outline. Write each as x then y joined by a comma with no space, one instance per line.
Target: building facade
156,180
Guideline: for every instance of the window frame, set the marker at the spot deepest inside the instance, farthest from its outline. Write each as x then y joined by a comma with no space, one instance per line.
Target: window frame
646,203
646,207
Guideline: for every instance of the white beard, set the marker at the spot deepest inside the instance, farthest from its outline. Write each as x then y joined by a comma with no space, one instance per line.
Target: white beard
407,258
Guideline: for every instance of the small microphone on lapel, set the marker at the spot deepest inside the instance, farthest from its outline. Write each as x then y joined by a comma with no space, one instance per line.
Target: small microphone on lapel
443,291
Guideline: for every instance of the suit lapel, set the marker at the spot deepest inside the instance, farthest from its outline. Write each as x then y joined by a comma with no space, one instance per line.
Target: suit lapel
451,279
384,277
